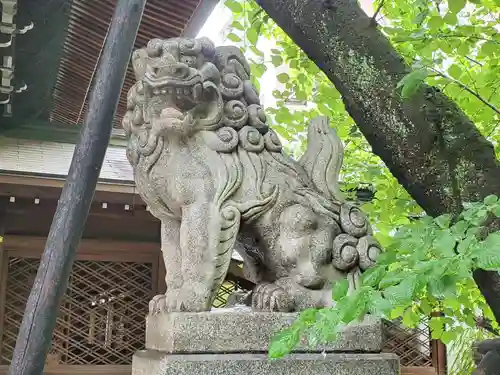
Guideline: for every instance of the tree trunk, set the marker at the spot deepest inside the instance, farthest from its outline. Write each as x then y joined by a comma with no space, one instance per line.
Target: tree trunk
427,142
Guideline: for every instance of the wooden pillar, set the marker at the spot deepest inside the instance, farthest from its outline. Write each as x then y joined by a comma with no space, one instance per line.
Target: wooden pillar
439,357
4,267
438,353
39,320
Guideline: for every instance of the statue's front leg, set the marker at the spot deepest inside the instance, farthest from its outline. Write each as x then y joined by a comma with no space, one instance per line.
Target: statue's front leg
199,238
172,257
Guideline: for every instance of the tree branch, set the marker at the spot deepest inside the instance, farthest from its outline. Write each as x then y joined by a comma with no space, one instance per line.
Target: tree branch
466,88
379,8
366,69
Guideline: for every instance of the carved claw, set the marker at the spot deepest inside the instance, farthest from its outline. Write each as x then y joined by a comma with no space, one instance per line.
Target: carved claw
164,302
270,297
194,298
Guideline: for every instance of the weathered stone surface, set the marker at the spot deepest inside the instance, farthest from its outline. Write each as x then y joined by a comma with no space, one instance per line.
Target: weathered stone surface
156,363
240,331
214,172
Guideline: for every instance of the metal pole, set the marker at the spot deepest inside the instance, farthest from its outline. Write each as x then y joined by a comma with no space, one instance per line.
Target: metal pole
39,320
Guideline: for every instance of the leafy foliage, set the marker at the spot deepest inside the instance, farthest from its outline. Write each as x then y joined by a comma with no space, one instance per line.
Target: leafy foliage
451,44
426,269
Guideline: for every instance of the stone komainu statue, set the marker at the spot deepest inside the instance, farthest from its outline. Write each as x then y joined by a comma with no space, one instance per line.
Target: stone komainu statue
214,172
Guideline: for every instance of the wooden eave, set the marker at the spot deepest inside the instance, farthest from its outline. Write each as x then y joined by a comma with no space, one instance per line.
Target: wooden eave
88,25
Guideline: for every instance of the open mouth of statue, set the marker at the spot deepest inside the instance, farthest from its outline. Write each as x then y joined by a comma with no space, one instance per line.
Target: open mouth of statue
174,89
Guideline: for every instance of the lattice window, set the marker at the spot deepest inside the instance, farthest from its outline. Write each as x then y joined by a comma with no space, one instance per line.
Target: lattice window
413,346
101,320
224,291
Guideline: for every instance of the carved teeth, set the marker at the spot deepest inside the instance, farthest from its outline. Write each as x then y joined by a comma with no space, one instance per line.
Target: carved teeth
164,91
197,91
187,91
156,91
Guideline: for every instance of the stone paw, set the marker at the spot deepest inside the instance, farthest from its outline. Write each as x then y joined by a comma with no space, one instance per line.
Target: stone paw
270,297
194,298
164,302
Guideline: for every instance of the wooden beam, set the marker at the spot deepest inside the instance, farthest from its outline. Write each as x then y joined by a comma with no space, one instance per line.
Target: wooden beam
89,249
58,182
54,192
48,131
47,207
199,17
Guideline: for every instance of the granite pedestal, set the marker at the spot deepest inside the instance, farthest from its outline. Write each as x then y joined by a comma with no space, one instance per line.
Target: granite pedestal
236,342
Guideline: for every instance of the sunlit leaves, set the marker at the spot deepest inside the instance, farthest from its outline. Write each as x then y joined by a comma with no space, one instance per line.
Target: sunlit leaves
427,267
233,37
411,82
425,274
283,77
456,6
234,5
455,71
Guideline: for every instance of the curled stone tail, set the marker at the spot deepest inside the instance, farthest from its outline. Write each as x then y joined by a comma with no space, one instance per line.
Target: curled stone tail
323,158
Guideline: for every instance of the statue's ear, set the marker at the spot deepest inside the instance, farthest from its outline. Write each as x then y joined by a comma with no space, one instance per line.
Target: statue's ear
210,73
207,47
140,59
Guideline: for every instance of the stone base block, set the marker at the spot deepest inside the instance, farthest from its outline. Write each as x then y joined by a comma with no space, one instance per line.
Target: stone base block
150,362
246,331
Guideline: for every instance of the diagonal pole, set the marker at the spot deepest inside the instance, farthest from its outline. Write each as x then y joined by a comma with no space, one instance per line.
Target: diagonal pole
39,320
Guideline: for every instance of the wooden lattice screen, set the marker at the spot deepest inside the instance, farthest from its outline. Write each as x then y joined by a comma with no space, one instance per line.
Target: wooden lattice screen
413,346
224,291
101,320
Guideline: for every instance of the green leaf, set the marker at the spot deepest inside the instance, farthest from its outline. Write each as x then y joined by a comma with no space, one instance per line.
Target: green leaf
466,243
435,22
284,342
237,25
445,244
456,6
283,77
412,82
450,18
379,306
403,293
234,6
443,221
489,49
421,16
410,318
257,51
308,317
447,337
356,306
340,289
277,60
252,35
233,37
455,71
442,287
436,324
425,307
391,279
300,95
258,69
488,254
490,200
373,276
